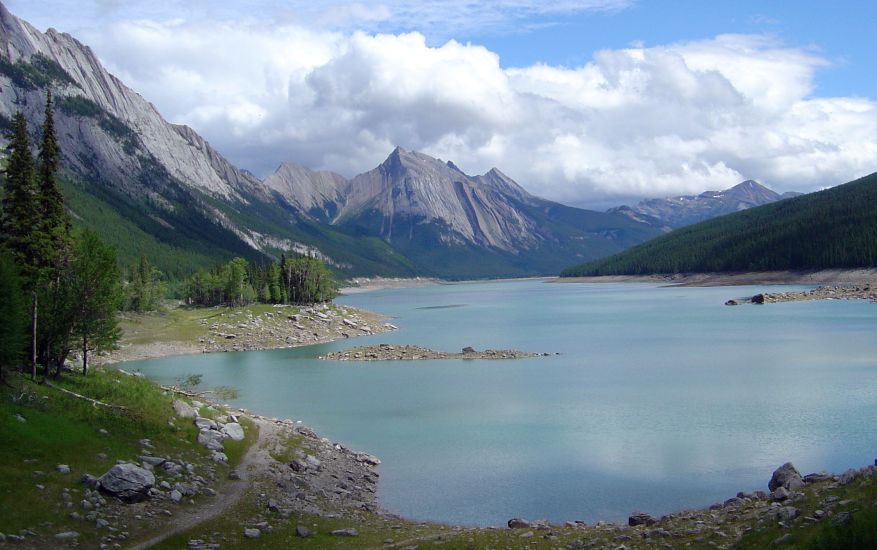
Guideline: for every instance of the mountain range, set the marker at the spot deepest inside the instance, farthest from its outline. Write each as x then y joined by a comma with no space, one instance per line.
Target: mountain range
152,187
672,212
834,228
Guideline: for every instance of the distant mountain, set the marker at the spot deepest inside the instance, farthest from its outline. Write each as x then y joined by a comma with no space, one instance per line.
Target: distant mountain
150,186
835,228
452,224
685,210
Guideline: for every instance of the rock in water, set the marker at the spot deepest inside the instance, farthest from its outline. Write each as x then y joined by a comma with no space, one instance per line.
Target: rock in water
234,431
786,476
127,482
181,408
758,299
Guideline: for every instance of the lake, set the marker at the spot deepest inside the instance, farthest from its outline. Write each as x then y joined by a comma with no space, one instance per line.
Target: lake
661,398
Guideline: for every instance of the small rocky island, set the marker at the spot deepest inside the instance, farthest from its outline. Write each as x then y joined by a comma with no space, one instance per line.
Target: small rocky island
862,292
387,352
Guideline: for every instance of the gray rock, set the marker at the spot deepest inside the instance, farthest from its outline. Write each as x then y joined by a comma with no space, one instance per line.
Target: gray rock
640,518
101,523
67,535
758,299
127,482
298,466
210,439
252,533
86,504
813,478
349,532
302,532
780,494
234,474
176,496
183,409
313,461
786,514
786,476
62,469
23,420
518,523
218,456
841,518
152,460
782,540
848,477
234,431
204,424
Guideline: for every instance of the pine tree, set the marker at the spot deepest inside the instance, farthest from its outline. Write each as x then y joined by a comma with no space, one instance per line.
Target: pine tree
21,220
21,209
54,221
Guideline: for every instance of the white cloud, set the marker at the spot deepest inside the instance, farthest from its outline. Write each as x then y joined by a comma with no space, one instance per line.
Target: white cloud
634,122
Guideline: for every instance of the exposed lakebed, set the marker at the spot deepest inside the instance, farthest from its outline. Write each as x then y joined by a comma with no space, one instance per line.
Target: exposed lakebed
661,399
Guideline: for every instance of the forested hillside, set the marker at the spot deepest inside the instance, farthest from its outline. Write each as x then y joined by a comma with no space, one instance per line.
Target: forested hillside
835,228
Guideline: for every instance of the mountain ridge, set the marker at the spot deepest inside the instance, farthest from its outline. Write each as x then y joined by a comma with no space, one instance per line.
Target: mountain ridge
833,228
678,211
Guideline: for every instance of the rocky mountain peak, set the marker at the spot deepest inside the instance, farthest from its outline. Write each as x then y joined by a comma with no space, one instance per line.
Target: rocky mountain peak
674,212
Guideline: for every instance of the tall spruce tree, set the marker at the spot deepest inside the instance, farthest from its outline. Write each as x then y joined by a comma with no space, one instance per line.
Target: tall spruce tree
13,312
55,223
21,214
21,205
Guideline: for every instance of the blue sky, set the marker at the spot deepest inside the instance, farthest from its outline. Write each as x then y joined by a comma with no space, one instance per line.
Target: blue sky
591,102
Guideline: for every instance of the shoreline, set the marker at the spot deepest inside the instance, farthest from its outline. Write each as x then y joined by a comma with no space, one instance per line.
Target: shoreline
672,527
223,329
810,277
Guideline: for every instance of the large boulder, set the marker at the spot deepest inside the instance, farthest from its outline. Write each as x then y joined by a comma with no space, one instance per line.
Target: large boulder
234,431
127,482
182,409
786,476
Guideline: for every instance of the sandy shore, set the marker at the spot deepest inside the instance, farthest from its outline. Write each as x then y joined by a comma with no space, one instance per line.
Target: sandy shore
821,277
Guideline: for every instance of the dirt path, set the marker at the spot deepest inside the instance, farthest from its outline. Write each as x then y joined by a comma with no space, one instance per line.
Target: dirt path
254,460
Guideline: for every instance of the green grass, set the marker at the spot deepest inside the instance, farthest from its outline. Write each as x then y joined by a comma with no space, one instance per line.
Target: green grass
235,450
62,429
860,533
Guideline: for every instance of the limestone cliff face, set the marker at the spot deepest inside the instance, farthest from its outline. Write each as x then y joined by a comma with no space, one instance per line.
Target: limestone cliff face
317,193
411,188
178,150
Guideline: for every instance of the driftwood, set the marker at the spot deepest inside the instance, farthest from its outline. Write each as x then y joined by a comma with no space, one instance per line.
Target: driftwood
175,389
94,402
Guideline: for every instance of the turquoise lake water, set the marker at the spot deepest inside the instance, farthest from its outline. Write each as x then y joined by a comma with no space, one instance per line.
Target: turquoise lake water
662,398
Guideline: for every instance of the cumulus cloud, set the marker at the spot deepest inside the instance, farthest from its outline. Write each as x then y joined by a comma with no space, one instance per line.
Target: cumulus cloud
642,121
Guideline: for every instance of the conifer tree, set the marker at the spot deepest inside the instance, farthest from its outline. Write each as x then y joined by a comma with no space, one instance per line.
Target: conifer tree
21,219
13,312
21,203
55,223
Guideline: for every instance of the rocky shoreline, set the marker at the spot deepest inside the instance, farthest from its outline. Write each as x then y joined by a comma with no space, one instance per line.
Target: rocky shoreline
387,352
222,329
859,292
